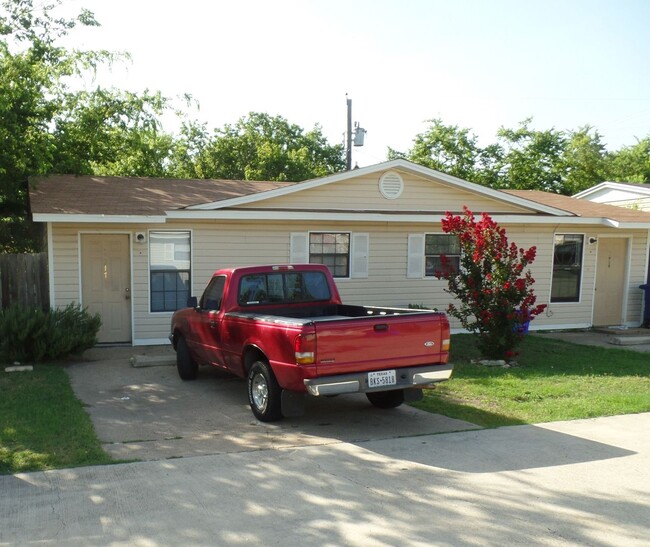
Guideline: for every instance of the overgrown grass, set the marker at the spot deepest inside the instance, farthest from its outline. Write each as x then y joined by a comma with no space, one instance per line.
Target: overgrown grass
554,381
42,424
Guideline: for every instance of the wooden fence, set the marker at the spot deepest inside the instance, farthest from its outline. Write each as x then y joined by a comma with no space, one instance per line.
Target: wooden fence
24,280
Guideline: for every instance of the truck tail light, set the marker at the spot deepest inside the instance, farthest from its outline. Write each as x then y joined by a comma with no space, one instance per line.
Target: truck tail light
305,349
445,344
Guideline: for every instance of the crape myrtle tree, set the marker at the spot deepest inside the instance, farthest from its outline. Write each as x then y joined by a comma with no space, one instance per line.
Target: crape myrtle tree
493,285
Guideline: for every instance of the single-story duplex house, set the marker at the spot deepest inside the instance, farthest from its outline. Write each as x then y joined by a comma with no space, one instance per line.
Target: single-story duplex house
133,249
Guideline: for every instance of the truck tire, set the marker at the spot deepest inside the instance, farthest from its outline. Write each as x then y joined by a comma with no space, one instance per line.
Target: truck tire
386,399
264,393
187,367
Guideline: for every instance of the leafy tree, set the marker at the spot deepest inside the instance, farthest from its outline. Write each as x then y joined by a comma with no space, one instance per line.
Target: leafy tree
631,163
455,151
112,132
256,147
584,161
32,73
563,162
531,159
446,148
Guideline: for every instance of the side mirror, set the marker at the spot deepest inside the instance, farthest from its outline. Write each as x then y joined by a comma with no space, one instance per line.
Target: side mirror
192,302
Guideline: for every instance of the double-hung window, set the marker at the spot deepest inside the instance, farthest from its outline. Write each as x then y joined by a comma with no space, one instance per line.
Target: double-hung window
331,249
567,267
436,246
169,270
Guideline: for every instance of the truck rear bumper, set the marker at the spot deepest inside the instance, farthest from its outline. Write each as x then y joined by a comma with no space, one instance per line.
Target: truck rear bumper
358,382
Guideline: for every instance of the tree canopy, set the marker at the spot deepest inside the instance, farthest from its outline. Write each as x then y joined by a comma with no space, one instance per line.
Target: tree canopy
563,162
46,126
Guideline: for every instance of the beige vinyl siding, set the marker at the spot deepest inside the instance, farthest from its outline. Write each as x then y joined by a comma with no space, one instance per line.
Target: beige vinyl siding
363,194
66,264
240,243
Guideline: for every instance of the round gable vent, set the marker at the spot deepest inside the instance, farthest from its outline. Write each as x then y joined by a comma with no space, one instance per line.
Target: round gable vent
391,185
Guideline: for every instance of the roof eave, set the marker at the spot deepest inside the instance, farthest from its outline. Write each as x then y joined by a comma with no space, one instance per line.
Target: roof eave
99,218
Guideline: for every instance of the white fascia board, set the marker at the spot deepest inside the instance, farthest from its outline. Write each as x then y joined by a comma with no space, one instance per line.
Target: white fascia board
347,216
111,219
379,167
627,225
589,191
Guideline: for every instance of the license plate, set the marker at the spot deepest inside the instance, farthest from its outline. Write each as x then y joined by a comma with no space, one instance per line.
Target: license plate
382,378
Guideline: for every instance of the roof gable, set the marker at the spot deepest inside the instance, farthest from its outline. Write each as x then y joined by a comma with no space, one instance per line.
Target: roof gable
400,165
610,192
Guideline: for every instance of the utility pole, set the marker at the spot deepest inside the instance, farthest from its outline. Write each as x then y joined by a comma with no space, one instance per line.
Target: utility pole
359,134
348,136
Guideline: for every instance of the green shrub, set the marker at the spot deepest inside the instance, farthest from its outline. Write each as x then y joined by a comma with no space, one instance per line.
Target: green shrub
32,335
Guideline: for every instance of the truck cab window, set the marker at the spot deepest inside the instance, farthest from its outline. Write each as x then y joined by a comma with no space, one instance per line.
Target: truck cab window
211,299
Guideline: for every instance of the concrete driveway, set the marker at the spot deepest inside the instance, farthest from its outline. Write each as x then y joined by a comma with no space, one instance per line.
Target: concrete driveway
585,482
147,412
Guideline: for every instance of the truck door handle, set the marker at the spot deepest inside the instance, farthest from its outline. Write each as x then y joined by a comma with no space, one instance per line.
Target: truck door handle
381,327
213,324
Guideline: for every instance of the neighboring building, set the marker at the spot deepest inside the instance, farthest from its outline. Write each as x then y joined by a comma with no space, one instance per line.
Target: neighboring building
632,196
133,249
628,195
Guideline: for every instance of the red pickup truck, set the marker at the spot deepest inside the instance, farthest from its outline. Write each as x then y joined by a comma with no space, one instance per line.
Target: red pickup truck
285,329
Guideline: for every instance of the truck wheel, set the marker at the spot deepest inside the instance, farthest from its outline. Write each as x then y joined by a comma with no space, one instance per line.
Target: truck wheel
187,367
264,393
386,399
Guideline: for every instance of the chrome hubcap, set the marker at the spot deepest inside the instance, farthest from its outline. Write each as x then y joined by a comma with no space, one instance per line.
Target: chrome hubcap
260,392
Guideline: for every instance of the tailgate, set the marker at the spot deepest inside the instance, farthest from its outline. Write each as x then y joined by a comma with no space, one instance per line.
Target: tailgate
376,343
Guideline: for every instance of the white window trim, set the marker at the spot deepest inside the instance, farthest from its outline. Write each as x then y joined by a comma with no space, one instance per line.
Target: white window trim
416,258
582,269
157,230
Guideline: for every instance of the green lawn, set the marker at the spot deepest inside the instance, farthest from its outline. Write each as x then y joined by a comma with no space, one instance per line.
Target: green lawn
42,424
553,381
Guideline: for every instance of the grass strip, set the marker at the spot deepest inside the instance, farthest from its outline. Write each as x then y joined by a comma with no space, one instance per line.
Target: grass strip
42,424
554,381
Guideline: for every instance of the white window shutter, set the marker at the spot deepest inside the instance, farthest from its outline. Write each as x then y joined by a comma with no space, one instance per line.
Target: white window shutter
359,255
299,251
415,260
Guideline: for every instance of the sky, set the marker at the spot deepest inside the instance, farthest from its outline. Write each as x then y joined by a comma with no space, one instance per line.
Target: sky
478,64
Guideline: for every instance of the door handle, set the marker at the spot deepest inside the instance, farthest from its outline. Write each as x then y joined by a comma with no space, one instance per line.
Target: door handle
381,327
213,324
127,295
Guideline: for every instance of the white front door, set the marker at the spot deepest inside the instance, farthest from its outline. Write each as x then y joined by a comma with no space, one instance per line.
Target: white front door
610,281
105,281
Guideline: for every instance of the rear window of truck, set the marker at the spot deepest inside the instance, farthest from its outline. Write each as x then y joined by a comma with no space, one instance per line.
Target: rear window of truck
283,288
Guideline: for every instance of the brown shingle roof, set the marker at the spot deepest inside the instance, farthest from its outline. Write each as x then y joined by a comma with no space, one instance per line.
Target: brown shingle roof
582,207
89,195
